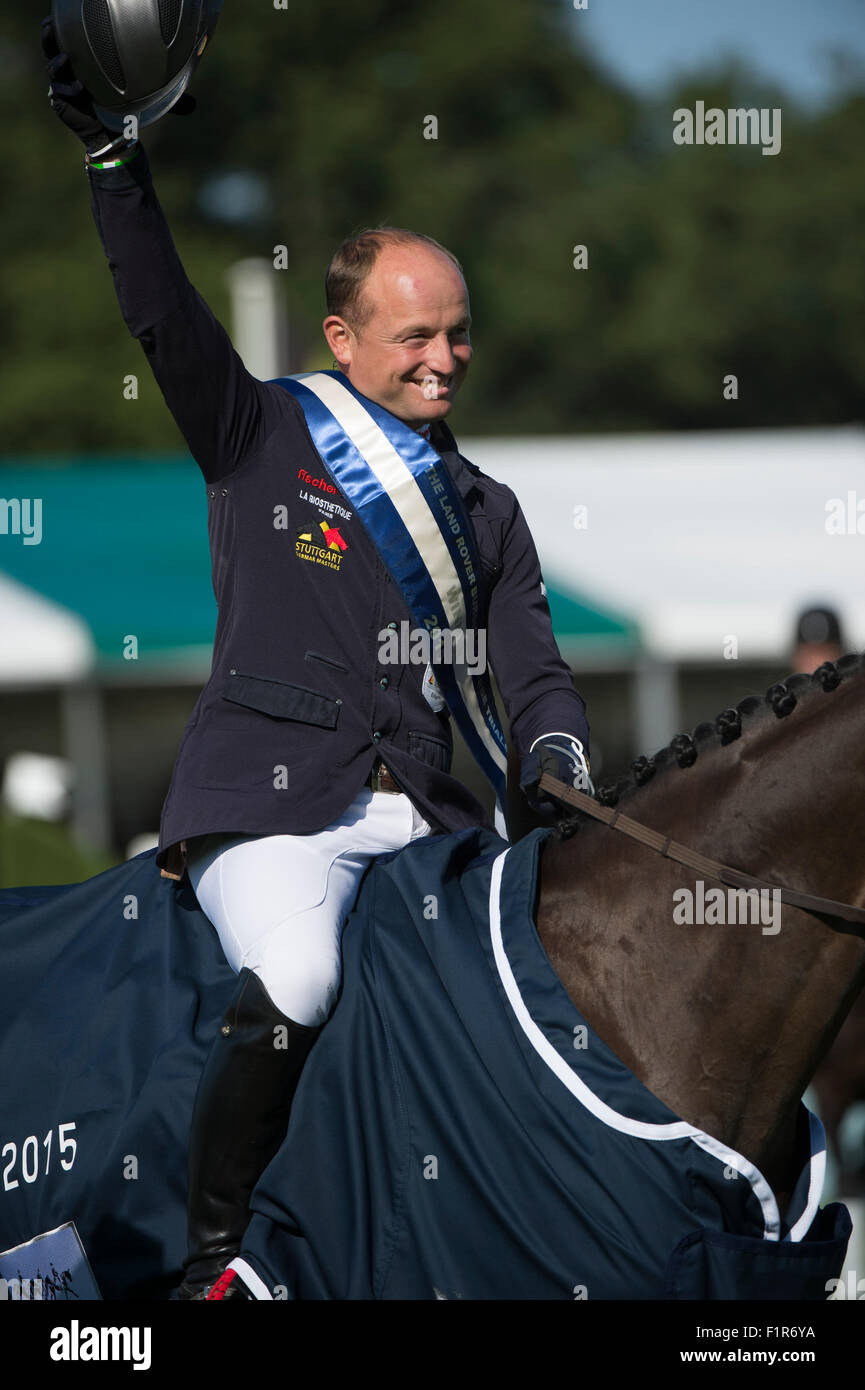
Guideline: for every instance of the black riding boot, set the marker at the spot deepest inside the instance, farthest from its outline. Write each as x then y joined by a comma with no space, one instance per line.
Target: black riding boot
238,1123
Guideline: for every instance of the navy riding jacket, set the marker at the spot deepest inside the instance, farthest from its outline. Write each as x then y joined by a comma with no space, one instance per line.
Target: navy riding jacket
299,704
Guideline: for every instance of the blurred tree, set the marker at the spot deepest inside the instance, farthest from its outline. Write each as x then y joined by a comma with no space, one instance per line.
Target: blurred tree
703,261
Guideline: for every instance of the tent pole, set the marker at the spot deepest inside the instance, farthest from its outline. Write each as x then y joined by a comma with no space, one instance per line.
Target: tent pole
656,704
85,746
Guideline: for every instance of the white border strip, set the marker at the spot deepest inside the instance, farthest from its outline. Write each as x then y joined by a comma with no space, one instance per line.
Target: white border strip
253,1281
640,1129
818,1177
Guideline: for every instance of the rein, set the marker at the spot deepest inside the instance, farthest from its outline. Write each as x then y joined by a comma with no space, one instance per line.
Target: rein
711,868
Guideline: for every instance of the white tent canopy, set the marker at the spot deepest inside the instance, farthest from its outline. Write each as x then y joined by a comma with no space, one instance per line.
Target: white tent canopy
699,537
40,640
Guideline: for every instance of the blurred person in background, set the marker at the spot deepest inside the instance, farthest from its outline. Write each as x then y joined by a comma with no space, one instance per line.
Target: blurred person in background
818,639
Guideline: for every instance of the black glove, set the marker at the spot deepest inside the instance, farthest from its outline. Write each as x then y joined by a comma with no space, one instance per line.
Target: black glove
69,99
563,756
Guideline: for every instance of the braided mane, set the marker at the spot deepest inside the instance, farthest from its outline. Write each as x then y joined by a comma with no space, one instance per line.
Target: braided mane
750,714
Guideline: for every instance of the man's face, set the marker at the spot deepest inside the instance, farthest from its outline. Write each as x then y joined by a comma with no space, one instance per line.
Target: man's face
413,352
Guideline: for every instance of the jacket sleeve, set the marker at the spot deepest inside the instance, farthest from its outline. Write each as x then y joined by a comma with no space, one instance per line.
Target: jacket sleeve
535,682
222,411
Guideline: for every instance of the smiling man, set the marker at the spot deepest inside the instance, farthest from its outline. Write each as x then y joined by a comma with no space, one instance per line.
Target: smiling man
307,753
398,322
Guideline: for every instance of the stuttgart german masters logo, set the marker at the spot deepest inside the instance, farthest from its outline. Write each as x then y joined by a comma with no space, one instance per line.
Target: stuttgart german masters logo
321,543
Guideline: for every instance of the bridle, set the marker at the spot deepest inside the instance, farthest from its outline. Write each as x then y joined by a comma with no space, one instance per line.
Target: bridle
711,868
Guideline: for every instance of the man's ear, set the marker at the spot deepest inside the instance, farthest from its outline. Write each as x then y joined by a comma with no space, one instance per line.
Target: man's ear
340,339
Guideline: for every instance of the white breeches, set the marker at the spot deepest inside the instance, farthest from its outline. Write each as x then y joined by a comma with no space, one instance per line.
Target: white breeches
279,902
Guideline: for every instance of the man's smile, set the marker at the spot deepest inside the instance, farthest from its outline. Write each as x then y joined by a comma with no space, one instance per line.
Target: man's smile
431,385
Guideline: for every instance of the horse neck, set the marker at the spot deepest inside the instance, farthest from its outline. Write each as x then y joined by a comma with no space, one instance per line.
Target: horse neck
725,1023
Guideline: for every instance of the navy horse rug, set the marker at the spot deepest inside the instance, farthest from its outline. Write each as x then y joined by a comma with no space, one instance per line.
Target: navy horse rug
111,992
459,1132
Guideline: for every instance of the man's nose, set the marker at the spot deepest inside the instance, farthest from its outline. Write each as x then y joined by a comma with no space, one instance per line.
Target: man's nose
439,356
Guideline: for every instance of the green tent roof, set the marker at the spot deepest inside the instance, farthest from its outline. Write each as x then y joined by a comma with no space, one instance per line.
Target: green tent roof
124,545
577,624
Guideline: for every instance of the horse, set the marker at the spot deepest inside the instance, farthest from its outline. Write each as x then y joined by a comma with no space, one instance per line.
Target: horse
715,1029
726,1024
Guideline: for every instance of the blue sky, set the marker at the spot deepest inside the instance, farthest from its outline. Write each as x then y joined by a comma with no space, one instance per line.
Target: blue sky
644,43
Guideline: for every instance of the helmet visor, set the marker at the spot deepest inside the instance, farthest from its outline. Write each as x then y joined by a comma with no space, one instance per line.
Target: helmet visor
148,110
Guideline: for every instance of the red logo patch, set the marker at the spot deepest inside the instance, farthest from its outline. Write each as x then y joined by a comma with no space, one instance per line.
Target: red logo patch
332,538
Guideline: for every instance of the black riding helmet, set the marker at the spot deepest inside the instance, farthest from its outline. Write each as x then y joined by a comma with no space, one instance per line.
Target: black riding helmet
135,57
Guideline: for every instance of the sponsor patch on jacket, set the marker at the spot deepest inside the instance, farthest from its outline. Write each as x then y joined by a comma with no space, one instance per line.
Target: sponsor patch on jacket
325,504
321,543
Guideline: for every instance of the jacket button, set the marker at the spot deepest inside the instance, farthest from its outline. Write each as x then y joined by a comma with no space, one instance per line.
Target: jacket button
211,494
392,625
232,672
384,682
225,492
377,736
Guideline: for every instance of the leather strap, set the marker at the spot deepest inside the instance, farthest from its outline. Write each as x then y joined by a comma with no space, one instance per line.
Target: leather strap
711,868
381,780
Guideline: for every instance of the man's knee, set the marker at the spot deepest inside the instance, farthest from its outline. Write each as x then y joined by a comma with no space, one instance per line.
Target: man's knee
302,986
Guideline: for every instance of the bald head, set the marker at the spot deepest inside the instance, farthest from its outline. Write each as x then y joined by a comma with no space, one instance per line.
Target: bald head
353,261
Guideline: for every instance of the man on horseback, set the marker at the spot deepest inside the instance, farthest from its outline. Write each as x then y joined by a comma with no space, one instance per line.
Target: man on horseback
308,753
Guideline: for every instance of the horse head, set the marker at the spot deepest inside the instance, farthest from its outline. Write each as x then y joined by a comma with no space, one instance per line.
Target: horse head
723,1003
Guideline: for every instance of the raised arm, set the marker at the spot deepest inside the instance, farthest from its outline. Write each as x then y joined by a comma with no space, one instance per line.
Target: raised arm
222,411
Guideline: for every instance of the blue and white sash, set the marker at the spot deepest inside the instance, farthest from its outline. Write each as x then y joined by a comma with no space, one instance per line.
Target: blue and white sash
414,516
